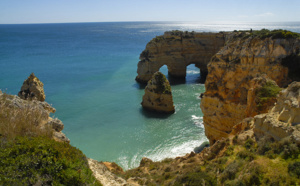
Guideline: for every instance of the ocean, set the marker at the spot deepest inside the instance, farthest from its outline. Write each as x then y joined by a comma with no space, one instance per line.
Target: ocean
89,70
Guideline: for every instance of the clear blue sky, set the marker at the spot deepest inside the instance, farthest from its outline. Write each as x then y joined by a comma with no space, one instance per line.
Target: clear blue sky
57,11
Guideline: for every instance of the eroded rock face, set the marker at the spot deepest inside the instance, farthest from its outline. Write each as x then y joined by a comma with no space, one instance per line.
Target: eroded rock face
227,100
158,95
177,50
283,119
32,89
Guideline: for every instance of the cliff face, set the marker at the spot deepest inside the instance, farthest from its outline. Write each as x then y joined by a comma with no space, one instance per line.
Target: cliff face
158,95
177,50
229,85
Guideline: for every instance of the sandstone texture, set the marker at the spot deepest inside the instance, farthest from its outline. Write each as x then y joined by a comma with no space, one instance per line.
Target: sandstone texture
32,89
283,120
158,95
177,50
104,175
231,87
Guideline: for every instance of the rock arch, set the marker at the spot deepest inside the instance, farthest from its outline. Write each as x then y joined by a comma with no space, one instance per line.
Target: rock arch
177,50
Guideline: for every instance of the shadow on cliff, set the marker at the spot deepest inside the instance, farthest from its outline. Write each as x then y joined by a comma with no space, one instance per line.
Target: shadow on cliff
152,114
189,79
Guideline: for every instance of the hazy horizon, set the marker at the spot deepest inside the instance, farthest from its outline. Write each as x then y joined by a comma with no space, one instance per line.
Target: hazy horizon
65,11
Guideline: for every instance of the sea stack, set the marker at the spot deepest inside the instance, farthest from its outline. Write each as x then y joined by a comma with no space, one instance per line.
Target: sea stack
158,95
32,89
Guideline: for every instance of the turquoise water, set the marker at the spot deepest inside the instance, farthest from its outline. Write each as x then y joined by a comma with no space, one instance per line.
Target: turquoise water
88,71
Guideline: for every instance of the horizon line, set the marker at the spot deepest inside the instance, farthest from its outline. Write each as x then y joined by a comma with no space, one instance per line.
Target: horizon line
203,22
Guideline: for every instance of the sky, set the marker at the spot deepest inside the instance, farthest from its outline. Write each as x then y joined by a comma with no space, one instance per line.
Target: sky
65,11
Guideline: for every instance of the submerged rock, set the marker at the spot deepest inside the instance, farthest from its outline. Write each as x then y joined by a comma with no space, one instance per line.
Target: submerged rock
32,89
158,95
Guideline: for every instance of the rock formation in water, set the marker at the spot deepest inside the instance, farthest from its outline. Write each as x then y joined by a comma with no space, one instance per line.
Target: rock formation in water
230,82
32,89
177,50
158,95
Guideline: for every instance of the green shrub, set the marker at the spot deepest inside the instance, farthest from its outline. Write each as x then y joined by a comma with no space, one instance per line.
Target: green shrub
294,168
43,161
246,155
229,151
195,179
266,93
275,34
249,143
263,146
230,171
291,151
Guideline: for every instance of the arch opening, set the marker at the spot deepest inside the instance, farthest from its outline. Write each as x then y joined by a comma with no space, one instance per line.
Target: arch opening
193,74
164,69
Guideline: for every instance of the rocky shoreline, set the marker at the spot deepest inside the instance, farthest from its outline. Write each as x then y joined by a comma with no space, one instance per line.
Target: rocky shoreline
251,109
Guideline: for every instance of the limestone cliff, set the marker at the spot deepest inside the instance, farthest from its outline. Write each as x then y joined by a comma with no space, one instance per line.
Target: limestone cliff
32,89
283,120
158,95
229,92
177,50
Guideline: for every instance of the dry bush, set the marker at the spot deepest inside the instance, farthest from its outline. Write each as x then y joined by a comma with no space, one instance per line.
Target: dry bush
21,121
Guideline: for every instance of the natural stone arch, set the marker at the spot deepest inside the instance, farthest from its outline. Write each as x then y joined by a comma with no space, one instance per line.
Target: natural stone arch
177,50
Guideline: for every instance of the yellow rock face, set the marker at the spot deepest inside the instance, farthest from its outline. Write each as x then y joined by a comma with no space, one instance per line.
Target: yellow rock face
229,92
158,95
32,89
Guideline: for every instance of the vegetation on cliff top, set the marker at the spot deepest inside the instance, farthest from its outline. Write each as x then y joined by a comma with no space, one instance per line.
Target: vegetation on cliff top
265,33
265,162
28,154
43,161
275,34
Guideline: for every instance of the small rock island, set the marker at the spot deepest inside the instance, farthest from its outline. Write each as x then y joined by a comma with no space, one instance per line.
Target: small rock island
158,95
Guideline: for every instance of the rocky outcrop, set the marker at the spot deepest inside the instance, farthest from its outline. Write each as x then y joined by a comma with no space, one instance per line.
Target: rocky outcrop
177,50
35,112
283,120
32,89
104,175
158,95
229,95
